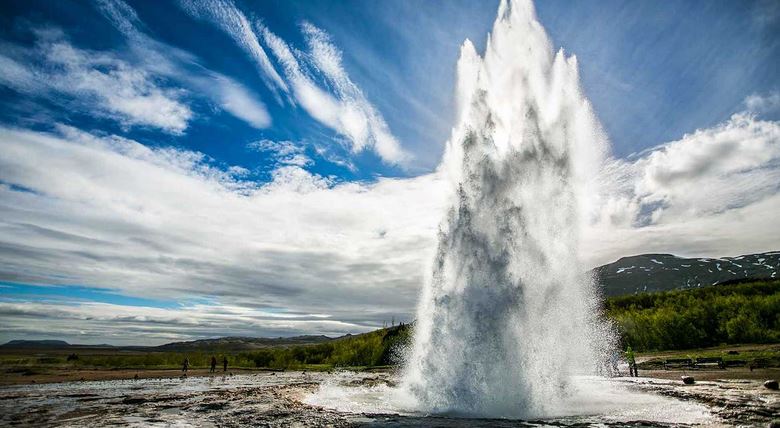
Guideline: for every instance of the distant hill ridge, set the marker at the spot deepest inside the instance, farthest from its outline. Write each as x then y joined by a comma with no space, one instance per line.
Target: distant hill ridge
36,344
221,343
660,272
243,343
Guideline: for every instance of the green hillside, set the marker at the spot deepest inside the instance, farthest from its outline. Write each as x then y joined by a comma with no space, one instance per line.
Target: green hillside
697,318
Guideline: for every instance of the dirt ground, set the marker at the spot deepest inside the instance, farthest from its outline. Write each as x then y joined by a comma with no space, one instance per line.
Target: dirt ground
281,399
62,375
714,374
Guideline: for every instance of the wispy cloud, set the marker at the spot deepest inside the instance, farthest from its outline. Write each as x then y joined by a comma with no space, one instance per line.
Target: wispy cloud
763,104
283,152
183,67
347,111
235,99
97,83
150,85
327,59
233,22
338,103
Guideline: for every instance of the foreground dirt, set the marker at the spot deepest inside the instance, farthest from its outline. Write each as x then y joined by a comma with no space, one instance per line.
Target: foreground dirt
220,400
714,374
70,375
277,399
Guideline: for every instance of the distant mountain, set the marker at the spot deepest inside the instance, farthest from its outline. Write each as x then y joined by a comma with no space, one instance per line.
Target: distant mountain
222,344
29,344
241,343
660,272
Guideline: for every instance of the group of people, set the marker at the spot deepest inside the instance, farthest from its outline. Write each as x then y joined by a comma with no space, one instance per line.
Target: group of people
186,364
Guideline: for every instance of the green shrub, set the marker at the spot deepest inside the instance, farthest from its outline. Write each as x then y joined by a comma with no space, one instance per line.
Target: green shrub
696,318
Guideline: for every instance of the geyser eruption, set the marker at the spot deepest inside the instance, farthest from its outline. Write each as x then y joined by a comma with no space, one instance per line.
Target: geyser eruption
507,315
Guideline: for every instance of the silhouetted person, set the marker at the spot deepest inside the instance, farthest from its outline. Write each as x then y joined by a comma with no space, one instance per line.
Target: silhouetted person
213,364
186,365
224,363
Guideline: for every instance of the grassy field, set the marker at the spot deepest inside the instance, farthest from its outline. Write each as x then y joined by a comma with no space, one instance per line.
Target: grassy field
375,349
758,355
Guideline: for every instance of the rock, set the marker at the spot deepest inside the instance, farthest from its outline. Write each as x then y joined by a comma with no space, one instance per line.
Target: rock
134,400
774,424
688,380
771,384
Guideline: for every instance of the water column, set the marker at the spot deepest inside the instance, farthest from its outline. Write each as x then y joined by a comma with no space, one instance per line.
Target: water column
507,316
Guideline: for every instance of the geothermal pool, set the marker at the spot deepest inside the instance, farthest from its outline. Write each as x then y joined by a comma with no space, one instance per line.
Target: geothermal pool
360,399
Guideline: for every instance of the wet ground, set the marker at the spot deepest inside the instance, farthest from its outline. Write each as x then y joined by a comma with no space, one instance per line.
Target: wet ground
345,399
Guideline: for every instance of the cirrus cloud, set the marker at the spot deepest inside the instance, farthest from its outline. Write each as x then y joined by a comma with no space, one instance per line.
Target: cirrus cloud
129,95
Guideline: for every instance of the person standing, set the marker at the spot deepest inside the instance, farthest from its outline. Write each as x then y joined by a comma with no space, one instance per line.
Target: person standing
632,371
213,364
185,365
224,363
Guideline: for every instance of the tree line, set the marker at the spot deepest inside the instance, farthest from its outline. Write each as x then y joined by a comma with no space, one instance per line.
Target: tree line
698,318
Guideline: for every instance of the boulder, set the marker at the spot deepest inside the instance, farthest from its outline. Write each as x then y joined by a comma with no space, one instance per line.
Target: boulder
771,384
134,400
688,380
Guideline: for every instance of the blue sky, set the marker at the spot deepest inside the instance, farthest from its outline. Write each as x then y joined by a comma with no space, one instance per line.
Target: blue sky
105,103
654,71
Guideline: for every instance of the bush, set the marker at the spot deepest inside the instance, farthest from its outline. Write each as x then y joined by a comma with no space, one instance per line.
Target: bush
702,317
370,349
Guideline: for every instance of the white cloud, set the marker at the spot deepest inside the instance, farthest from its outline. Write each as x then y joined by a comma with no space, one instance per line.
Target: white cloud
729,165
165,223
763,104
327,58
94,322
283,152
168,224
347,111
175,64
236,100
232,21
17,76
92,79
693,195
135,88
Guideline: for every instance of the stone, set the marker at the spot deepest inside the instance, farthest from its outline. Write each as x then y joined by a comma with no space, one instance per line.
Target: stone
688,380
771,384
134,400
